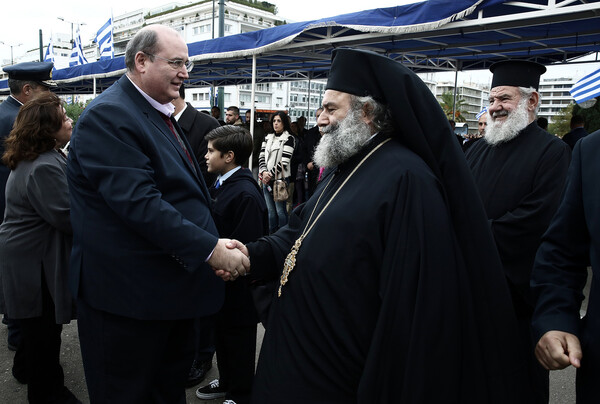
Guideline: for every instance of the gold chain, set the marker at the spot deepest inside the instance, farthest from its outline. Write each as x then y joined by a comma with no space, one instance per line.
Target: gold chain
290,260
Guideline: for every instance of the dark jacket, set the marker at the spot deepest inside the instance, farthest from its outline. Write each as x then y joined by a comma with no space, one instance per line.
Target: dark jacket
9,110
142,226
239,212
569,246
196,125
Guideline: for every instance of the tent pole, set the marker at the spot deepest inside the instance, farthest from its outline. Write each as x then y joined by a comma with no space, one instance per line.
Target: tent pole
455,90
308,103
252,94
94,86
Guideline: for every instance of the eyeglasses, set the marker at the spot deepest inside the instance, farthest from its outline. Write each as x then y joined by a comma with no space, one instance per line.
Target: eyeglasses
176,63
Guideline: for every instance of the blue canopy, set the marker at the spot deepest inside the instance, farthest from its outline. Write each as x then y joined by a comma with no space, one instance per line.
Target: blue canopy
433,35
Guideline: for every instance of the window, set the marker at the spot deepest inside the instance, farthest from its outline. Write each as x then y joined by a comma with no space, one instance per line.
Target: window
195,97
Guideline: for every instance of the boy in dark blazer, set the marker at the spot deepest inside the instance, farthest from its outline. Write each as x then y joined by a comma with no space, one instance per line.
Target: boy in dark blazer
239,211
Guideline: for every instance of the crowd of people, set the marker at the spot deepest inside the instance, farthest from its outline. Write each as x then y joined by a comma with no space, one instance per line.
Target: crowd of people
349,241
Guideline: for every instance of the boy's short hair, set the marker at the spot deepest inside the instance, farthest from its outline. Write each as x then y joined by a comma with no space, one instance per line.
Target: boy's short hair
232,138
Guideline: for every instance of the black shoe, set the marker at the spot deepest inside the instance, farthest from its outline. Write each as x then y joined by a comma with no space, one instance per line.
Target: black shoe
12,347
211,391
198,372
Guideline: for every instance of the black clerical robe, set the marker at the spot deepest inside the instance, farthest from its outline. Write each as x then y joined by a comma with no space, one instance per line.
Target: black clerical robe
378,308
520,183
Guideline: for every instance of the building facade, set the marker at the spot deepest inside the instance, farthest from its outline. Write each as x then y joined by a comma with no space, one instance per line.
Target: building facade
554,96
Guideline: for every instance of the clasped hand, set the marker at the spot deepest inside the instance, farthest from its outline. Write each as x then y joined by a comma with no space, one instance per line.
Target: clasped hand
230,259
558,349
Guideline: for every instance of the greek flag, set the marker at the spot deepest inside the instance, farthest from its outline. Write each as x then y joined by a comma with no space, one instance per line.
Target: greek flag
586,88
104,39
483,111
77,57
49,56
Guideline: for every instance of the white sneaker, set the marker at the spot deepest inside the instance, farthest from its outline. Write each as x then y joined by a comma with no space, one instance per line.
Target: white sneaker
211,391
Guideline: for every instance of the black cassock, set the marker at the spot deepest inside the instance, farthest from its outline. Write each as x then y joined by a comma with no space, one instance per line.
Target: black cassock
379,307
520,183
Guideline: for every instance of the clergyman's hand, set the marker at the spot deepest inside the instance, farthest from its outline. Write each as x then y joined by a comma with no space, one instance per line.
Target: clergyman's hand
232,244
558,349
229,260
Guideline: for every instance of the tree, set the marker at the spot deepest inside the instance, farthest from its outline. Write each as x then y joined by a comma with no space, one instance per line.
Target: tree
561,123
75,109
447,102
590,115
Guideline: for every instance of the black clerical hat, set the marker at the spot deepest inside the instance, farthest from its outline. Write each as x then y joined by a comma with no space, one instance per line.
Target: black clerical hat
517,73
40,72
353,72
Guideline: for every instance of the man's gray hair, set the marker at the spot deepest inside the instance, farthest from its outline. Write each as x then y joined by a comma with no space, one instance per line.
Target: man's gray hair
526,93
380,113
145,41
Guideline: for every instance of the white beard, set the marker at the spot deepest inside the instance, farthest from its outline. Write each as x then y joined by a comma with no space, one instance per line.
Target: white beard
342,140
498,132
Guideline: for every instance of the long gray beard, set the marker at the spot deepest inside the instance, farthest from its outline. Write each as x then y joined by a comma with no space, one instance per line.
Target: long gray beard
498,132
342,140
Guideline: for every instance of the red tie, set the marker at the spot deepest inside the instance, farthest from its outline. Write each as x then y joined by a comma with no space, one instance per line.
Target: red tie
172,128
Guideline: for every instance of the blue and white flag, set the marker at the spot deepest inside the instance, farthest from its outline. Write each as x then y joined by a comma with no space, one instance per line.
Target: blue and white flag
483,111
77,57
586,88
104,39
49,56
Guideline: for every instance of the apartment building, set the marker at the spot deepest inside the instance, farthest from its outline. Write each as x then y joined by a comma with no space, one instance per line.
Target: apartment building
554,96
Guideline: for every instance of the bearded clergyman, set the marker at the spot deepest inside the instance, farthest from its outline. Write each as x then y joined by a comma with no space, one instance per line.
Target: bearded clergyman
520,171
388,290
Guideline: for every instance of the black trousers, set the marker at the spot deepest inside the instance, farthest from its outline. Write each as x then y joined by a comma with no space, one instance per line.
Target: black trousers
236,358
133,361
40,353
204,337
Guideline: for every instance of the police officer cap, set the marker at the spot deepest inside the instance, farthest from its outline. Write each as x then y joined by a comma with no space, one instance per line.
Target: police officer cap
517,73
40,72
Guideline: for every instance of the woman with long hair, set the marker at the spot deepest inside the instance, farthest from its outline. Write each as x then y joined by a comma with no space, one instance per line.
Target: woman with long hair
274,164
35,244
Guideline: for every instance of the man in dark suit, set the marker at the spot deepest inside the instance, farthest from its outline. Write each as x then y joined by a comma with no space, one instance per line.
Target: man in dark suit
143,236
195,126
577,131
311,141
569,246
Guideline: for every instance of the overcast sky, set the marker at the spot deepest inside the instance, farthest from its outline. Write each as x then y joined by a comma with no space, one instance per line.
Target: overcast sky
22,20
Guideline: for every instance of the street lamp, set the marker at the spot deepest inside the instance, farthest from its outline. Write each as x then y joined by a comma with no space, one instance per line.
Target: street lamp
71,22
11,50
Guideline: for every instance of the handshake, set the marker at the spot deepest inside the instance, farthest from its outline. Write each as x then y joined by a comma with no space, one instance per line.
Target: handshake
230,259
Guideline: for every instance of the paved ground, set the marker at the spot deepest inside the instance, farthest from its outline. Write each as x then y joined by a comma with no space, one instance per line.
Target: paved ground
562,383
11,392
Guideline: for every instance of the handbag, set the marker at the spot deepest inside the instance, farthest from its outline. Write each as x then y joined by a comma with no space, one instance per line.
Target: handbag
280,186
280,191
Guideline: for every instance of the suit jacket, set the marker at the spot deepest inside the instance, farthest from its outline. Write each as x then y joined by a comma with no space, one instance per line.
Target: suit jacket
570,245
36,238
196,125
240,212
142,226
573,136
8,113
